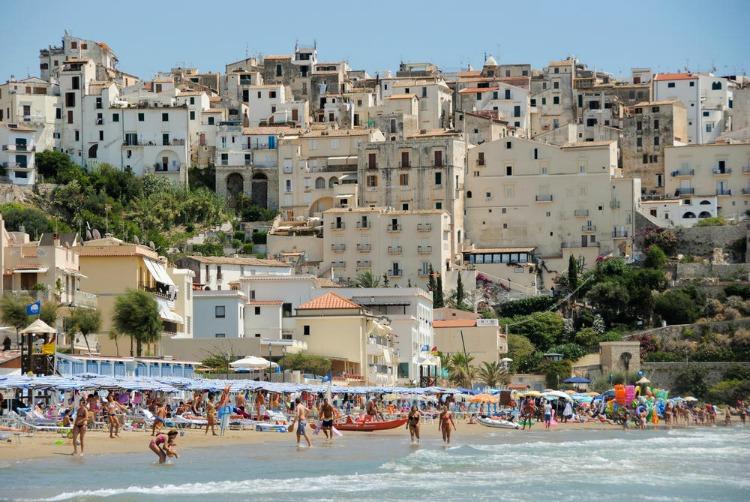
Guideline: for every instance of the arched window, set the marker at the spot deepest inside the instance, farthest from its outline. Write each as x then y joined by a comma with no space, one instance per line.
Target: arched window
333,181
468,194
705,203
320,183
704,214
688,215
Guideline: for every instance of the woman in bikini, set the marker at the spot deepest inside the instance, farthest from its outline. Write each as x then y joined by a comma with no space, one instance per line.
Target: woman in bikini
445,422
412,423
79,426
162,448
111,409
211,415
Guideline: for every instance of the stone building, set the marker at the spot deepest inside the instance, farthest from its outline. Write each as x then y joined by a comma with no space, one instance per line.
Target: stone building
648,128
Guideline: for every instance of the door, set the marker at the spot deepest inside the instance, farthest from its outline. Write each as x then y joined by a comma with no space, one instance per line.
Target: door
584,241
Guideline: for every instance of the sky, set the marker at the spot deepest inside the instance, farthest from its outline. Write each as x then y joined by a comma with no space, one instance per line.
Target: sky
613,36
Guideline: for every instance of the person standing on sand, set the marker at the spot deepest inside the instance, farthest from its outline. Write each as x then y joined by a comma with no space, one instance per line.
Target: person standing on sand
79,426
327,413
300,418
211,415
112,407
412,423
445,422
547,415
160,418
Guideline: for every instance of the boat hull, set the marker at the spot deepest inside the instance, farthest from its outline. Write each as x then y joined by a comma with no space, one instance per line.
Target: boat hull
498,424
369,426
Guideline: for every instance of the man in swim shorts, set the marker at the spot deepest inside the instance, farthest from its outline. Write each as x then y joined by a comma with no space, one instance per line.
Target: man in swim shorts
300,418
327,414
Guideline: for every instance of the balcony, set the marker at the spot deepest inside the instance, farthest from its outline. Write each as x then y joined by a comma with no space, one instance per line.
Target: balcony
581,213
723,191
614,204
719,171
746,191
338,264
480,161
363,264
338,248
395,250
84,299
364,248
620,233
684,191
19,148
578,245
683,172
174,167
338,225
364,225
424,227
393,228
395,272
588,228
544,198
424,249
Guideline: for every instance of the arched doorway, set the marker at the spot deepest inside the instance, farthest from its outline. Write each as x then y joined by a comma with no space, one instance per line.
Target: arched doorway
259,190
235,185
321,205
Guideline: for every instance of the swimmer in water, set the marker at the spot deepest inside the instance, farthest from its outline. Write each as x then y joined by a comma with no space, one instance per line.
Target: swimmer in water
412,423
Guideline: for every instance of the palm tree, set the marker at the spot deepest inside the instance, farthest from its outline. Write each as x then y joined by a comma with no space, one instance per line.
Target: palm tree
367,280
492,373
460,370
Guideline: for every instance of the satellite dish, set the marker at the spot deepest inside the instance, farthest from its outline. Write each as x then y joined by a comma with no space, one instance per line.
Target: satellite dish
136,239
88,235
96,234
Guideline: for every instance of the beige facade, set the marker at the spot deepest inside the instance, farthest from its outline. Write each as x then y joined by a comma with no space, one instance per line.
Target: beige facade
719,169
481,339
558,200
401,245
648,128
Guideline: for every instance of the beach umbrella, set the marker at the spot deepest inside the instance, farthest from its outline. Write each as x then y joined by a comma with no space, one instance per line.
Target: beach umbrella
253,363
532,393
643,380
577,379
556,394
483,398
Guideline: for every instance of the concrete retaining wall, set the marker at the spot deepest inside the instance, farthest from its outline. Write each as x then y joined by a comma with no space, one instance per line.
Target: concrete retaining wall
663,375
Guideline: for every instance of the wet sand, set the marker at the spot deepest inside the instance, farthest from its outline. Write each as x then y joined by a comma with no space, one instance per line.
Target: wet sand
98,442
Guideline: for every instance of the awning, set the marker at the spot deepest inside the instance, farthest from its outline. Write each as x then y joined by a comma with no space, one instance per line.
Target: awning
166,313
345,196
73,272
158,272
387,356
40,270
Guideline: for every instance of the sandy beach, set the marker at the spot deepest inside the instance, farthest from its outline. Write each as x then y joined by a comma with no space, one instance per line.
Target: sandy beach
47,444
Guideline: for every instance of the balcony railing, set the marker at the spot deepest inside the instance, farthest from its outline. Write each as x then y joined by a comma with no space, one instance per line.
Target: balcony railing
424,227
338,248
395,273
363,224
338,264
544,198
403,165
588,228
683,172
720,171
614,204
394,228
424,249
338,225
723,191
394,249
363,264
174,167
685,191
581,213
620,233
364,248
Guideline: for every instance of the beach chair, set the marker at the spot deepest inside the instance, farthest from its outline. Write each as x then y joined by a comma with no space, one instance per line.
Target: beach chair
149,419
184,422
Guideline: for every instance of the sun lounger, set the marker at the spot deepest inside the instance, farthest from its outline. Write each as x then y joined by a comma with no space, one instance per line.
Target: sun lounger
268,427
183,421
150,418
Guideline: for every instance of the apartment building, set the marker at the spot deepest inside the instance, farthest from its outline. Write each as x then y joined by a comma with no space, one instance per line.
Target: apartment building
273,104
697,173
399,246
552,95
425,171
648,128
17,153
216,273
36,104
219,314
555,201
482,339
433,94
315,164
707,99
53,58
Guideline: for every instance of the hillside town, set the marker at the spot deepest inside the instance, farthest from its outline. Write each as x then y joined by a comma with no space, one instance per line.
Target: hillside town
497,226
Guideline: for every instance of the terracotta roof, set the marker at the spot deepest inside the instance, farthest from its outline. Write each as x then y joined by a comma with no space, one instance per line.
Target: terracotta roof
329,301
478,89
231,260
265,302
455,323
675,76
401,96
126,250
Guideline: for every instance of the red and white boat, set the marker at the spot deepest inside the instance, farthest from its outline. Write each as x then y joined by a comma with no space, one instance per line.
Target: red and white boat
365,424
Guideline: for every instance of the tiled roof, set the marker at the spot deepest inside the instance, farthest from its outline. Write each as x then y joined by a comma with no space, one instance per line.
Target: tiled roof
454,323
127,250
329,301
675,76
477,89
231,260
401,96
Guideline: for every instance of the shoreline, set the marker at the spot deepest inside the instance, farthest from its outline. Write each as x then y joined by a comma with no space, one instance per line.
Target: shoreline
49,445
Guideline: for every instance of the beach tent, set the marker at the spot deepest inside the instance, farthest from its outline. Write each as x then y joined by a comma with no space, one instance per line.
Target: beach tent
38,327
253,363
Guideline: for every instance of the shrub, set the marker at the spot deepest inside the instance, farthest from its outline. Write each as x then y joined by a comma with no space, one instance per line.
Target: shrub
239,235
655,258
260,238
662,357
737,372
741,290
692,380
676,307
729,391
715,221
664,238
247,248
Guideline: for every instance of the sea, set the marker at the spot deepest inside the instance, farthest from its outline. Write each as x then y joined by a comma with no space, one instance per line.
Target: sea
681,464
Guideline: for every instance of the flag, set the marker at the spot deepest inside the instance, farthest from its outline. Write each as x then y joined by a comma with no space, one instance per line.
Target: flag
34,308
328,377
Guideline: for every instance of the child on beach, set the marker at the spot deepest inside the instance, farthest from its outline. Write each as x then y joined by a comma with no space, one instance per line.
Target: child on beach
164,446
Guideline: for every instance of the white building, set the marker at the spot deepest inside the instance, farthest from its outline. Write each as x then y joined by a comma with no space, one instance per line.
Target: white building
707,100
219,314
225,272
17,149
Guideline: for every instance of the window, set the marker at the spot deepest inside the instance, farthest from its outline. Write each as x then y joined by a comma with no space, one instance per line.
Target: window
257,310
404,159
70,99
220,335
480,158
639,142
479,96
115,117
210,121
75,83
306,329
556,100
536,153
507,93
656,140
645,158
656,124
74,45
508,145
372,181
438,205
557,70
654,109
70,116
141,117
403,180
165,117
533,102
288,186
716,86
517,111
509,170
372,161
670,84
278,70
555,84
78,135
544,101
638,125
438,179
98,103
58,114
468,194
101,135
220,311
165,139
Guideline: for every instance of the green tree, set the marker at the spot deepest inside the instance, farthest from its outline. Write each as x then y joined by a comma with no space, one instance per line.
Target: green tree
522,351
56,167
655,258
525,306
691,380
34,221
572,273
492,373
588,338
729,391
306,363
48,313
136,315
437,293
610,299
13,311
543,329
676,307
555,372
460,370
367,280
86,321
460,293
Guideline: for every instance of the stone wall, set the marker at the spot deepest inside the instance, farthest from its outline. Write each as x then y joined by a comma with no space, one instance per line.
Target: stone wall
701,241
724,272
676,330
663,375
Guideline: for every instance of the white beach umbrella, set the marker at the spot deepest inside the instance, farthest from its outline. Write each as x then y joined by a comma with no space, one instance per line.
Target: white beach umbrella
253,363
